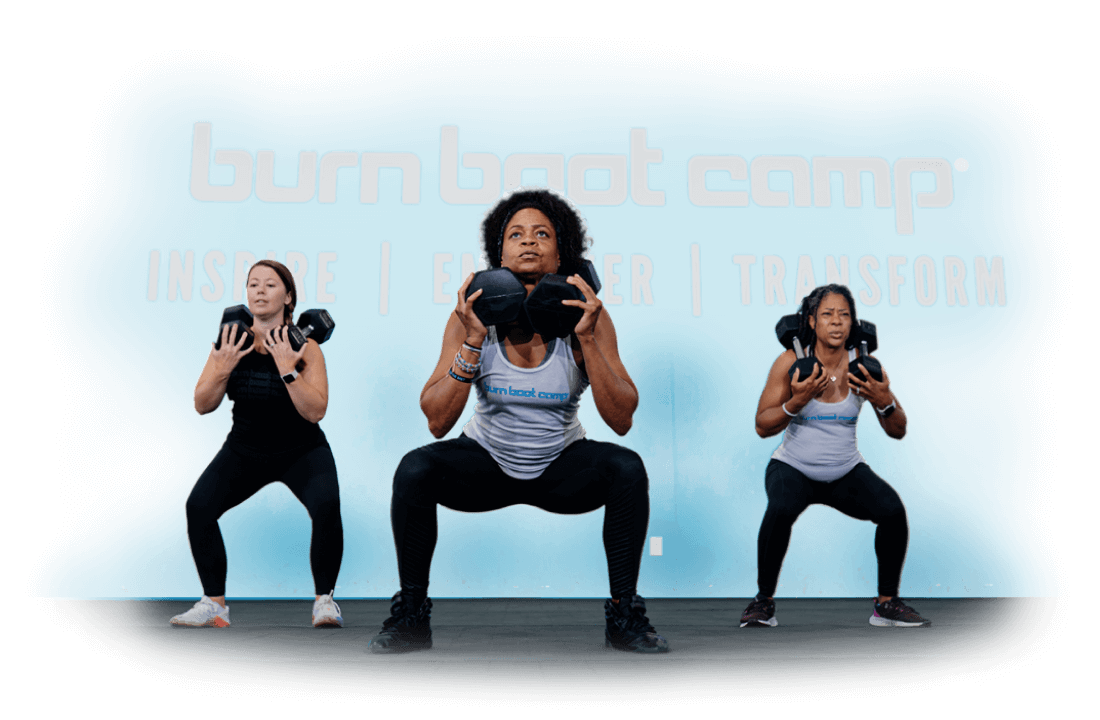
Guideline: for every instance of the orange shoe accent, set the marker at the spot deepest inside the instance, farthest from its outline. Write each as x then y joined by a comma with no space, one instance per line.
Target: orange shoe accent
220,622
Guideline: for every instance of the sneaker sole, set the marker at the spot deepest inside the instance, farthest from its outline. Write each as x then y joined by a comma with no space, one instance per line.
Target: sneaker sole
330,623
215,622
643,650
771,622
879,621
382,650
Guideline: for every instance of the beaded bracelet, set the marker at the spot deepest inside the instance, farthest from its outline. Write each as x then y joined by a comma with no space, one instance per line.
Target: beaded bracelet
463,365
458,377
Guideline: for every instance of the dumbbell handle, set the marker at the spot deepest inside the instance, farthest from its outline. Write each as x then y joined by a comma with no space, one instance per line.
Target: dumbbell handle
304,330
798,352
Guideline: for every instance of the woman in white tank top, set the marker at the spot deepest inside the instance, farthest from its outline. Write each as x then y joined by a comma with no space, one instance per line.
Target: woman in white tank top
818,461
525,444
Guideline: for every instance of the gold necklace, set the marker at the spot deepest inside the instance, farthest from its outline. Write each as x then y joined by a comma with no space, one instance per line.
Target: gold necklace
833,372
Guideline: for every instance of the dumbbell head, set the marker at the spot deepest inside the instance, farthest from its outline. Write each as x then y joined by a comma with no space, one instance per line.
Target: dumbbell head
240,316
786,330
805,367
865,332
321,322
873,366
587,272
547,315
501,300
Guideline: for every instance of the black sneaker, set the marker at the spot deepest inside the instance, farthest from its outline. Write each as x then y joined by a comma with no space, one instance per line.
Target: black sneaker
405,629
628,628
895,613
759,613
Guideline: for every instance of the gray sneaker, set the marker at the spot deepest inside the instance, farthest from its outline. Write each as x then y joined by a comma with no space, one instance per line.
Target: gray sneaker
759,613
895,613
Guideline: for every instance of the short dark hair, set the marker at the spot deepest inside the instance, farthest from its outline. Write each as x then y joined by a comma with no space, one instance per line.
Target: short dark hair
569,227
288,283
811,302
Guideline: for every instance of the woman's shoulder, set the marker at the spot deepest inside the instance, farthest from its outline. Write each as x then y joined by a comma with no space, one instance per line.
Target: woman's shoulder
783,362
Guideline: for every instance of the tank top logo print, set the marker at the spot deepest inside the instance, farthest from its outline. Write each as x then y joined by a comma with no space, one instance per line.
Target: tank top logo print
510,391
833,417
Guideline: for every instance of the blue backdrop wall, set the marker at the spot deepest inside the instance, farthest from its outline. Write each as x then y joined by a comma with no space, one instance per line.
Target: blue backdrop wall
716,202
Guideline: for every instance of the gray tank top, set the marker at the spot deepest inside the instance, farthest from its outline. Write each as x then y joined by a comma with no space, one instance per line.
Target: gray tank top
525,417
820,441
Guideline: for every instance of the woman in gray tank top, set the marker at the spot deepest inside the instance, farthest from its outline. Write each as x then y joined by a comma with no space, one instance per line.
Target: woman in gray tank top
818,461
525,444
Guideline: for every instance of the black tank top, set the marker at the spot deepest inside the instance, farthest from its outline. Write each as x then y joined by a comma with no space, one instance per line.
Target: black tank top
264,417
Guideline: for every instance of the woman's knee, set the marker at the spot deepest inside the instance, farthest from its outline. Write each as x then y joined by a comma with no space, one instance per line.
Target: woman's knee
413,474
779,513
325,509
200,511
891,513
624,467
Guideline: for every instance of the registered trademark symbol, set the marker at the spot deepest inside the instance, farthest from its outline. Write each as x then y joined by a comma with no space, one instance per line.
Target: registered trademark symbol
962,165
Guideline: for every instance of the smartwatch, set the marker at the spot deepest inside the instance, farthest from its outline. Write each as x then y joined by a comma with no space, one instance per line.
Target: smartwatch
885,412
289,377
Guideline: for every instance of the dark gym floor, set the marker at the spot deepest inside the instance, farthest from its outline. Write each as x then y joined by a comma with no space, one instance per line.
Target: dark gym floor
552,650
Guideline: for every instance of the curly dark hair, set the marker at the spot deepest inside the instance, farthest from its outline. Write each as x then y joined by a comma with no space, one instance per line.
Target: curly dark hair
811,302
569,227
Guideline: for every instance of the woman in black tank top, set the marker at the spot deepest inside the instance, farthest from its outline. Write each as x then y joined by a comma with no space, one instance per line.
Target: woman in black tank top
279,396
827,317
533,233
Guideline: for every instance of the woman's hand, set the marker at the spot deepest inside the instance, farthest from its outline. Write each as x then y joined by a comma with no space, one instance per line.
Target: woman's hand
230,353
277,343
785,395
804,390
464,311
880,396
591,305
875,392
210,388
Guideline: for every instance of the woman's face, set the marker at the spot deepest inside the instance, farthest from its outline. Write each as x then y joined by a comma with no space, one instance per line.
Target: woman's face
266,293
833,320
530,244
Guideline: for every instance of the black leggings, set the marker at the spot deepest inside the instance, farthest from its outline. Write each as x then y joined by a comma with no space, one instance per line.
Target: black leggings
461,475
231,478
860,494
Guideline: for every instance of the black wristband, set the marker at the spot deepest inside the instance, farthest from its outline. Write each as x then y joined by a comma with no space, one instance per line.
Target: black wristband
458,377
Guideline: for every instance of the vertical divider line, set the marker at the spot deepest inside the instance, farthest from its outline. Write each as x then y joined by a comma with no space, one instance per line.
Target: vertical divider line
672,402
696,282
384,281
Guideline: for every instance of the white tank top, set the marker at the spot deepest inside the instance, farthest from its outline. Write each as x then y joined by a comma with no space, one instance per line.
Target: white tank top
820,441
525,417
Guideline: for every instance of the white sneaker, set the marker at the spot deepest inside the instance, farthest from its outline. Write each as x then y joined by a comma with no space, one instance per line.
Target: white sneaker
205,613
326,613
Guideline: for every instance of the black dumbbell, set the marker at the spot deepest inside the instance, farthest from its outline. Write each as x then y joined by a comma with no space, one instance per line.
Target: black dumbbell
544,309
315,323
241,317
866,331
787,332
865,337
502,296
